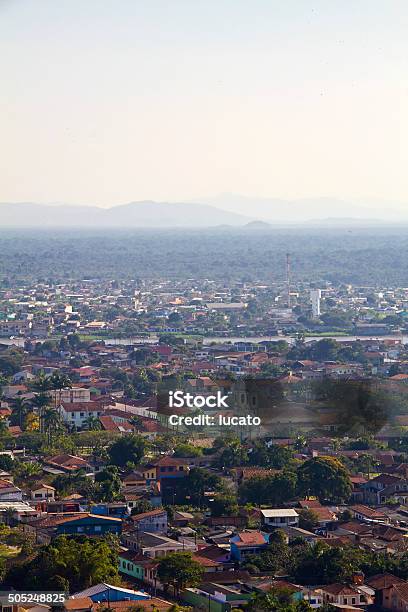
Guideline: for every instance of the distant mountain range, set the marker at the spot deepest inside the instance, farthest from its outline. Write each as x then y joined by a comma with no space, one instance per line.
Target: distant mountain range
135,214
310,209
223,211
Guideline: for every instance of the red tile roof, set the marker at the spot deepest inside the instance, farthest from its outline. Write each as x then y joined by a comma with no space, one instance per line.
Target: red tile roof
152,426
109,424
250,538
310,503
131,555
139,517
81,406
339,589
383,581
81,603
67,461
6,484
168,461
385,479
402,590
324,514
356,527
368,512
205,561
356,480
213,552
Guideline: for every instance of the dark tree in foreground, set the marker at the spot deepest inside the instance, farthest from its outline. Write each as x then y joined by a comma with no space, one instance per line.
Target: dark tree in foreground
67,564
275,489
325,478
179,570
128,449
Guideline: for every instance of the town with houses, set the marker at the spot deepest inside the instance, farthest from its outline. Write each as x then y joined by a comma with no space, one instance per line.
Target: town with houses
121,499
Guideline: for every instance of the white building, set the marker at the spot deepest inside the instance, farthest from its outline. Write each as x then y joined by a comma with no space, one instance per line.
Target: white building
315,297
154,521
43,492
77,413
280,517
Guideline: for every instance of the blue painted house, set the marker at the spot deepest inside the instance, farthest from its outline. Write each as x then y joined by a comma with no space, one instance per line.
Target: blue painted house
247,543
107,593
45,529
90,524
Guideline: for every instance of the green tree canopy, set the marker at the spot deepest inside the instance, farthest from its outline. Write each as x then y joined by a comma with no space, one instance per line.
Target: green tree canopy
275,489
224,505
183,449
324,477
308,519
128,449
179,570
67,563
197,482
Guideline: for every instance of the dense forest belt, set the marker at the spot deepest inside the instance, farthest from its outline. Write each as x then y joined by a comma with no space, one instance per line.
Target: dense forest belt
358,256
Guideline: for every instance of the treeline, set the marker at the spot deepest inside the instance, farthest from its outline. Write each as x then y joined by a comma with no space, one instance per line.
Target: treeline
319,563
340,256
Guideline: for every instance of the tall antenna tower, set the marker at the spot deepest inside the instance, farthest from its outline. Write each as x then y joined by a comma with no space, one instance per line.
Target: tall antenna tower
288,278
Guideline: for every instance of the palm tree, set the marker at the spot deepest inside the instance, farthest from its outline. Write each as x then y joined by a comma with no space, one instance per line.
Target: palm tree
51,422
42,383
92,423
41,401
369,463
28,469
335,444
20,410
59,381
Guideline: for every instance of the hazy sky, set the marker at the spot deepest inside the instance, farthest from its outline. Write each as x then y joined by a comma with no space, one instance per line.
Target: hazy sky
108,101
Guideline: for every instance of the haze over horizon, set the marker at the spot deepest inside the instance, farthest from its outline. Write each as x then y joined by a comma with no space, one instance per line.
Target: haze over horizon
261,208
230,200
173,101
226,210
